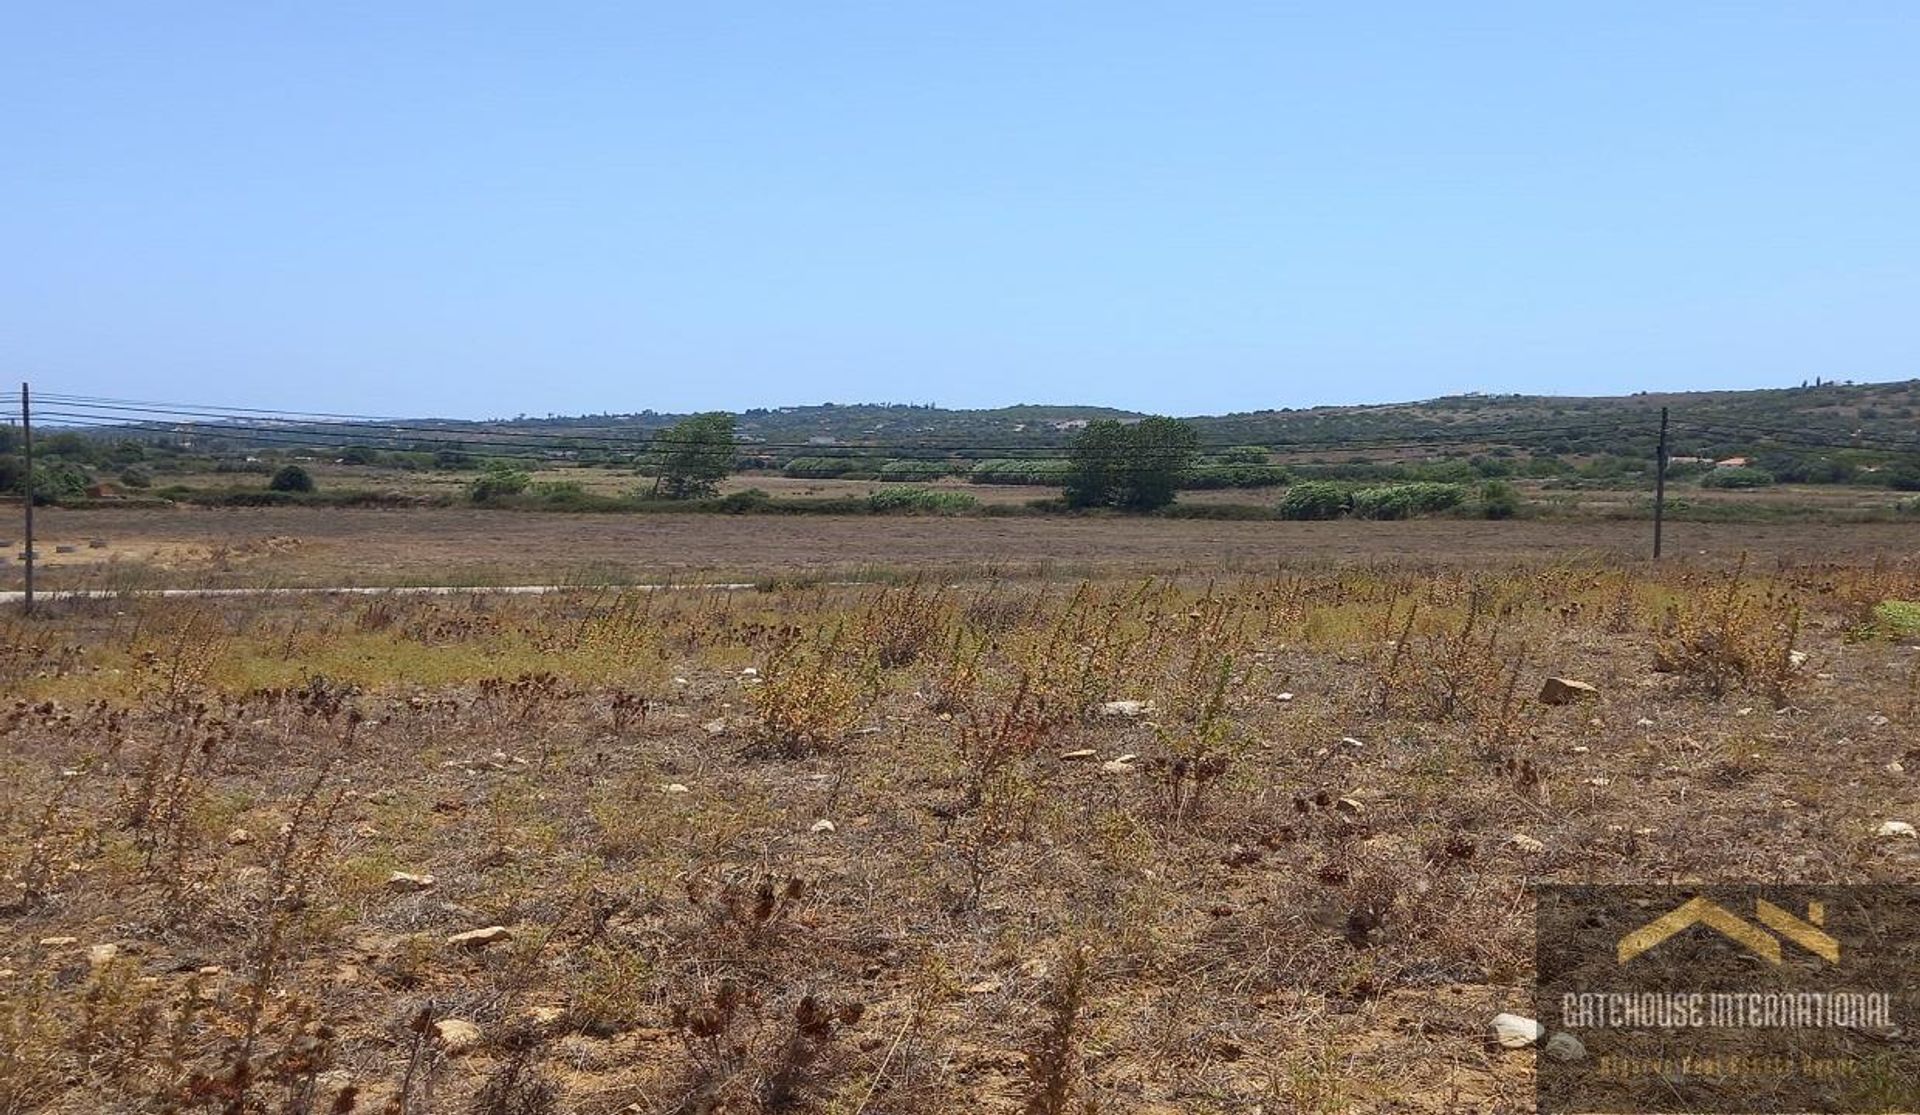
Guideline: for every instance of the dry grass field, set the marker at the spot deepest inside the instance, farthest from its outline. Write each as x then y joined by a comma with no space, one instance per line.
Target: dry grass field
191,546
1251,834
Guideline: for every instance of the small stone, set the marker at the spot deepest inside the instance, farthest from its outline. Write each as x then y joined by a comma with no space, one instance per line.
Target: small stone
1565,691
1895,768
239,837
546,1016
822,826
1349,741
1643,722
456,1035
1516,1031
674,788
1126,708
1888,830
401,882
59,942
749,672
102,955
1283,698
1349,805
1565,1047
1796,659
715,727
1599,780
1122,765
1077,755
1526,843
476,939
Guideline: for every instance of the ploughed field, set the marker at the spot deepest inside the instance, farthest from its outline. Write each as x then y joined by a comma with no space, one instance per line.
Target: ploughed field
1209,843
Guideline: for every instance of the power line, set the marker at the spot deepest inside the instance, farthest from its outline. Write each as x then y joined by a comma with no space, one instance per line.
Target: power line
108,414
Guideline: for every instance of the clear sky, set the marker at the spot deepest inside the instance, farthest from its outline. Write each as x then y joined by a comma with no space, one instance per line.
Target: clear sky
480,208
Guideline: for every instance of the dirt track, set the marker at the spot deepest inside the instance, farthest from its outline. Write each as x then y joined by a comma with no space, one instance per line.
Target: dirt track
300,546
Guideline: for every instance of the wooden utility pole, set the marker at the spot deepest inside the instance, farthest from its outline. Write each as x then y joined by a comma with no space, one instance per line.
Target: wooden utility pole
26,489
1660,484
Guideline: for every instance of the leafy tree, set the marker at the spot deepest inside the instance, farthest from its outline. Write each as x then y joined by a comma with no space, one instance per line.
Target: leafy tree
291,478
498,481
1314,499
1405,501
1134,467
54,481
1904,478
1499,500
693,456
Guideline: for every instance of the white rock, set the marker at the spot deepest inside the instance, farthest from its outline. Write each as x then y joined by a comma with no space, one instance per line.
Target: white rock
59,942
239,837
821,825
1283,697
1126,708
480,938
749,672
456,1035
1565,691
1643,722
1118,766
674,788
1526,843
102,955
1349,741
1565,1047
1078,754
1895,768
1887,830
1516,1031
715,727
1796,659
401,882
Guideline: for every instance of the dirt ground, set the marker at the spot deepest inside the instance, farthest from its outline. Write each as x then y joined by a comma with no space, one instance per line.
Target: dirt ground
298,546
1218,843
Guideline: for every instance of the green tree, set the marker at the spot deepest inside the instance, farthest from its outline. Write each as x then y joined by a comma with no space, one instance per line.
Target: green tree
498,481
690,458
291,478
1096,462
1135,467
1162,450
1314,499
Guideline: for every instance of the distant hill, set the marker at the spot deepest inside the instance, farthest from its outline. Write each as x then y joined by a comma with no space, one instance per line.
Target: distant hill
1705,422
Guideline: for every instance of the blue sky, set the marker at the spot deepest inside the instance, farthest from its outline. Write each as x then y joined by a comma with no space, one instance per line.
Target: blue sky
481,209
